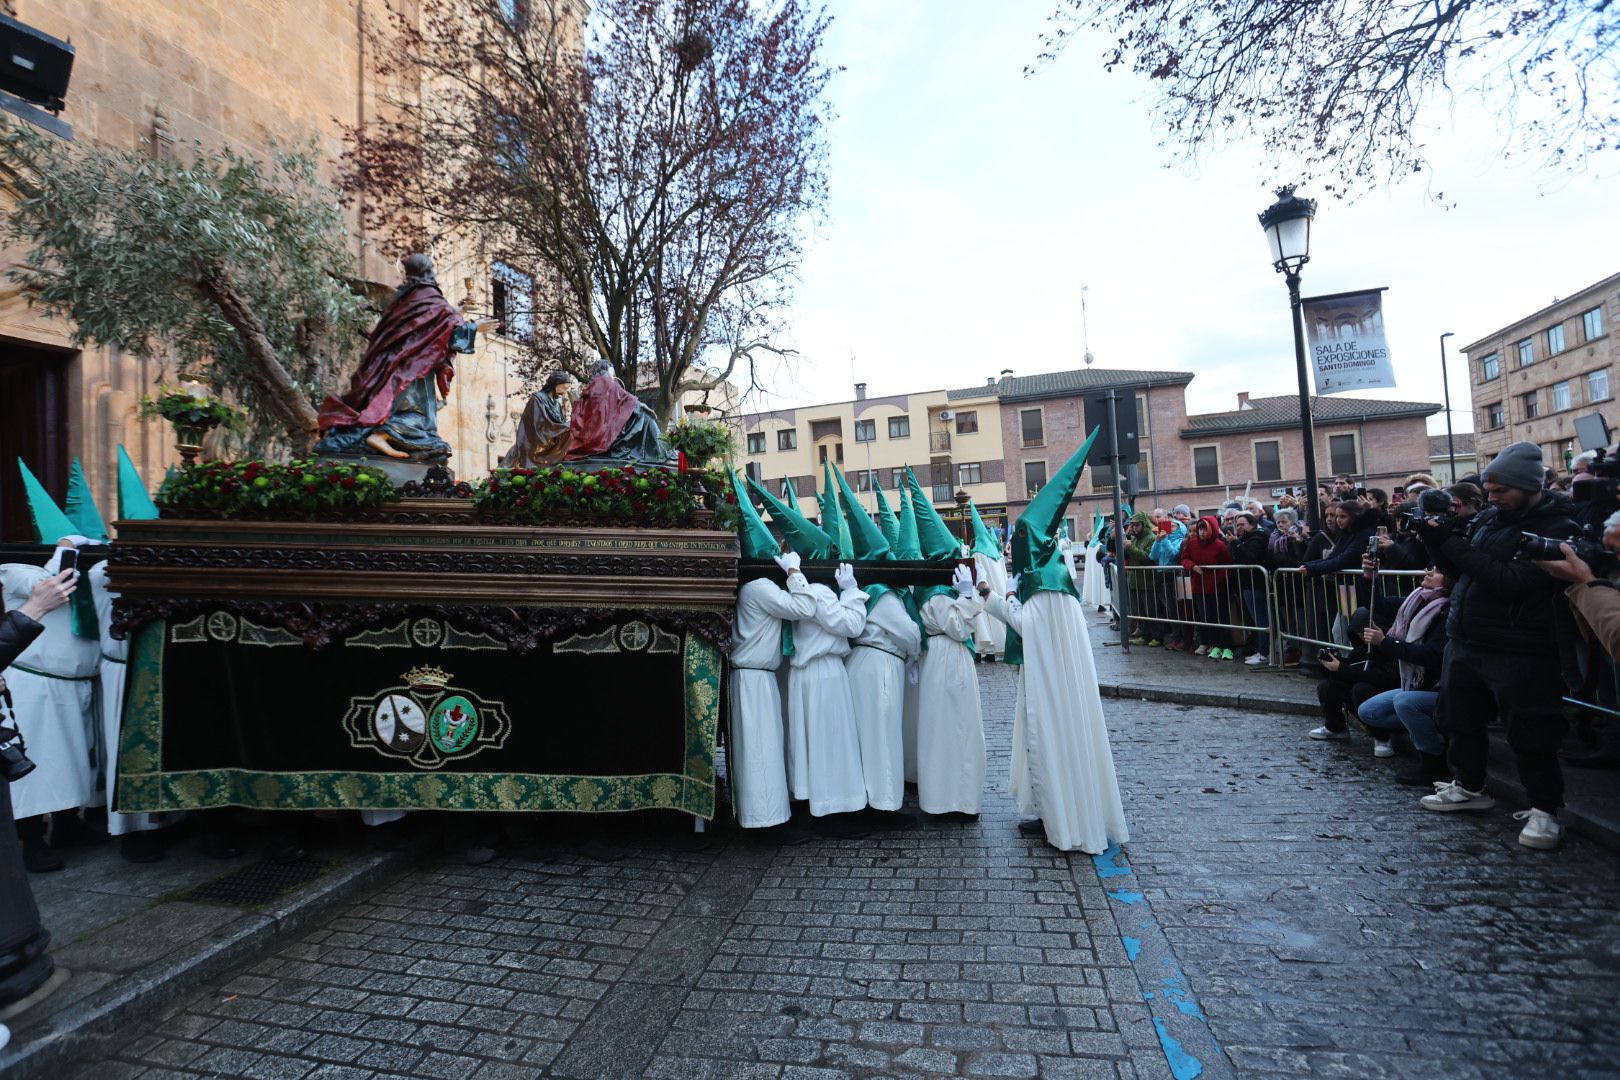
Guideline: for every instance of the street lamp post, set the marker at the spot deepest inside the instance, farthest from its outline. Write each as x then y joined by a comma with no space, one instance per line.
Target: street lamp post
1445,384
962,498
1287,223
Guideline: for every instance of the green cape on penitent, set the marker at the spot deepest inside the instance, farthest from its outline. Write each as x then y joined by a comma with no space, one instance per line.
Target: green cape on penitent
134,504
866,540
753,537
1036,558
888,523
938,545
832,515
983,543
801,534
81,506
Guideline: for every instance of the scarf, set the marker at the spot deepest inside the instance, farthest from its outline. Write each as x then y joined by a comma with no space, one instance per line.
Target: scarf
1416,616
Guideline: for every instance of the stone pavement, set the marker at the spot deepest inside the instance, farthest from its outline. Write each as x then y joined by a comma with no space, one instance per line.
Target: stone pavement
1281,910
1592,796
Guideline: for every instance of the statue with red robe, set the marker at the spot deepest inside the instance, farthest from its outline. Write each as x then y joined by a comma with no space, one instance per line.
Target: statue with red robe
392,404
611,423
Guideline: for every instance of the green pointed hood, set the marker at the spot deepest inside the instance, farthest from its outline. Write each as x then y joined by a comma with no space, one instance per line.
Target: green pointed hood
81,506
802,535
791,494
907,545
888,522
983,543
1035,538
832,514
866,539
755,539
134,503
938,545
50,524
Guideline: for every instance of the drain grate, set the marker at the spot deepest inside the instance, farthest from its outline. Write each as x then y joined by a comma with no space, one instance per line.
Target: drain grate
258,883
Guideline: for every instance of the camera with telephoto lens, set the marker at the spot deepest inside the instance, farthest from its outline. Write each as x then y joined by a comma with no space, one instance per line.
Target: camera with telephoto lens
1434,505
14,763
1547,549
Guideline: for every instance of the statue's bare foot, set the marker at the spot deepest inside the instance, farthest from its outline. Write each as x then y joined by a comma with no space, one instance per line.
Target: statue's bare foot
379,442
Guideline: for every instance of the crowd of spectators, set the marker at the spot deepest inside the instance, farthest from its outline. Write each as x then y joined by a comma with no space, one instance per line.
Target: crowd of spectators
1423,610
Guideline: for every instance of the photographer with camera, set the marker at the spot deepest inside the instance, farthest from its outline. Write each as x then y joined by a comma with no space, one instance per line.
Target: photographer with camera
24,964
1502,653
1595,600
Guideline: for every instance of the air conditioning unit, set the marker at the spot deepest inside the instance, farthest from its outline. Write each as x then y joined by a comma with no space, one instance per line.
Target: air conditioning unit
947,414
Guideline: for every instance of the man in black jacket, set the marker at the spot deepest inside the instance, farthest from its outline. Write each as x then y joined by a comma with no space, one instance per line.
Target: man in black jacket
1502,654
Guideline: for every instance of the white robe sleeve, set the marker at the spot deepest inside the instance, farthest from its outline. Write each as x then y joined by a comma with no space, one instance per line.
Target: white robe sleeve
795,602
844,616
1008,611
953,618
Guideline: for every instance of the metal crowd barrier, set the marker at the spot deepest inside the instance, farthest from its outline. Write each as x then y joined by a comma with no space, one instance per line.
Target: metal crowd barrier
1283,606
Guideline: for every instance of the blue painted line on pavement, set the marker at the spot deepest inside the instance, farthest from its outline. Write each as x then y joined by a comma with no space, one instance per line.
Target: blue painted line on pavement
1189,1045
1183,1066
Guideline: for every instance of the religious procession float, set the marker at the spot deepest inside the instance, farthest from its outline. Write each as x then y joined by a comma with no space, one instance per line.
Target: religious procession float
362,630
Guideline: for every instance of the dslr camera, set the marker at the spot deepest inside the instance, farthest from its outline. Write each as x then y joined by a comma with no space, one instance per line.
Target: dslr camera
14,763
1434,505
1546,549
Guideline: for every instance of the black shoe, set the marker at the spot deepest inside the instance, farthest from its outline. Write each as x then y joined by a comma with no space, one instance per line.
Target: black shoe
1602,759
40,859
70,830
219,845
1429,770
841,826
141,847
477,854
1032,827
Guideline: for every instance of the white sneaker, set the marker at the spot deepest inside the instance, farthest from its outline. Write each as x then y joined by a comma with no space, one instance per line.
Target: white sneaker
1541,829
1450,795
1202,650
1256,660
1383,748
1327,733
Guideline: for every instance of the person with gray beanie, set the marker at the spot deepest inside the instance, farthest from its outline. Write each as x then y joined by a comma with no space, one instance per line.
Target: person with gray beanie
1501,654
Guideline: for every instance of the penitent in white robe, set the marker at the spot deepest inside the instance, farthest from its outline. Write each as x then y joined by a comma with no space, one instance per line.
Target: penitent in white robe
950,727
759,788
823,749
989,635
1062,766
53,686
114,669
877,677
1094,590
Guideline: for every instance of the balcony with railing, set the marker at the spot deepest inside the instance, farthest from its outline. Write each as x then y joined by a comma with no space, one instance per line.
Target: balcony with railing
939,442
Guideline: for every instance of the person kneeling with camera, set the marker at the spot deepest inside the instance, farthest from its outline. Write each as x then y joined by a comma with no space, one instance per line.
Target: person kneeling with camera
1502,656
1416,641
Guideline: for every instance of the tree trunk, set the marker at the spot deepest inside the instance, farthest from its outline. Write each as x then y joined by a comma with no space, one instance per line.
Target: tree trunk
274,384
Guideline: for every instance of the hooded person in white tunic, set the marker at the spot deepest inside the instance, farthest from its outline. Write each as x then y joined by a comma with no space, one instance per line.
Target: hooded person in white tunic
950,727
989,635
1062,766
880,661
908,547
759,640
823,749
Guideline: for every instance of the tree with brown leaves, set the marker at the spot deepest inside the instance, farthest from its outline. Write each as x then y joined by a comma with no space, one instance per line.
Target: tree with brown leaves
652,167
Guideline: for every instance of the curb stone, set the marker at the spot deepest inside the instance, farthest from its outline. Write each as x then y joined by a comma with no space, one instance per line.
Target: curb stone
101,1015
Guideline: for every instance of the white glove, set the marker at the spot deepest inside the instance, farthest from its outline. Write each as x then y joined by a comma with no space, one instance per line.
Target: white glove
788,561
913,672
963,580
1012,584
845,576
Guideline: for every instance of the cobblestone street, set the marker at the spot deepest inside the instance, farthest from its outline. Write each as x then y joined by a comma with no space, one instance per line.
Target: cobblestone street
1282,909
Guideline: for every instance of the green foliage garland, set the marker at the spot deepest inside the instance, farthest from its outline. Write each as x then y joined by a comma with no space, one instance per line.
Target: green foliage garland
629,496
298,490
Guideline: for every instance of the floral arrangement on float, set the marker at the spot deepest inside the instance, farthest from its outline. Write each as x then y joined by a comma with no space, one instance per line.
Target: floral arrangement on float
193,413
702,441
296,490
693,498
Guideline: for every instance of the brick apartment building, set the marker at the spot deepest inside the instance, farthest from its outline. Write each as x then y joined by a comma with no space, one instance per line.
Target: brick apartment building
1534,377
1002,441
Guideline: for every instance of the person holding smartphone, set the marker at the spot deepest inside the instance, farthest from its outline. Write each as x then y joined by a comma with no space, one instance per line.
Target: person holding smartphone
53,688
22,939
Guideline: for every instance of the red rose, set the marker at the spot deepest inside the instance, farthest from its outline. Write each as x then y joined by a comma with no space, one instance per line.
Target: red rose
311,488
347,481
568,489
662,494
639,507
494,485
523,500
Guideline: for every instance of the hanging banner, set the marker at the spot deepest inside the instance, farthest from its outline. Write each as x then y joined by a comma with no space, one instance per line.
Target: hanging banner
1345,333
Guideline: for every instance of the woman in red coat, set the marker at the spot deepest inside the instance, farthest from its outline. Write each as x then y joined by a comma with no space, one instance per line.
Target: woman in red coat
1203,547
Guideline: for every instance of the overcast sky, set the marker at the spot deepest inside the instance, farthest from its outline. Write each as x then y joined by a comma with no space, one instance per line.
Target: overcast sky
970,203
